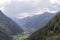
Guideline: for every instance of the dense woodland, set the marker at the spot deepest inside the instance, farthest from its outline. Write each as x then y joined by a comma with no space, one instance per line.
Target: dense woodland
50,31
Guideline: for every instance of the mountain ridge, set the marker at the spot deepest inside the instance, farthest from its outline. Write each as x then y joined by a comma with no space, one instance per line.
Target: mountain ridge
50,31
35,21
8,27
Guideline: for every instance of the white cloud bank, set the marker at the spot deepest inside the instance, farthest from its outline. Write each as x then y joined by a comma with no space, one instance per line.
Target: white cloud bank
3,1
24,8
55,1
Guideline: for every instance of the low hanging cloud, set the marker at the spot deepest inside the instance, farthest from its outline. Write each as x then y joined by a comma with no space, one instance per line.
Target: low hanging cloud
30,7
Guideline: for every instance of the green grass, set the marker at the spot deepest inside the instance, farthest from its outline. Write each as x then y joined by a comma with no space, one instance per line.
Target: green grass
20,37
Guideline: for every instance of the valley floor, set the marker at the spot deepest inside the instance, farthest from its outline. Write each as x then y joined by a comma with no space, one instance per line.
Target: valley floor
20,37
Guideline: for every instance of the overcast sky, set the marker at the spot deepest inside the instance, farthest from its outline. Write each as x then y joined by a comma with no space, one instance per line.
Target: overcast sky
25,8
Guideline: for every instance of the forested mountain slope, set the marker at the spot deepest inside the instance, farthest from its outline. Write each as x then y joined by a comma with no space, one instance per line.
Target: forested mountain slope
50,31
8,27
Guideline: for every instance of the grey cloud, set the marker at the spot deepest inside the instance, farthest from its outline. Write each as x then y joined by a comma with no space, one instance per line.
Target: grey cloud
17,7
55,7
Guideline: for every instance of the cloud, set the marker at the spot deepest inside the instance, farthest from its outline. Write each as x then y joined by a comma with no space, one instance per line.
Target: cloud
30,0
55,1
3,1
30,7
24,8
22,15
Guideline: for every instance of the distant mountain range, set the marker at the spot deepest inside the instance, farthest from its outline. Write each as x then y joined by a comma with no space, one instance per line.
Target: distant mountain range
50,31
8,27
31,24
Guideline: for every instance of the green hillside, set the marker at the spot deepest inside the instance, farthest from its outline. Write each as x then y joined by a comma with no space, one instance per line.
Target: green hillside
20,37
50,31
